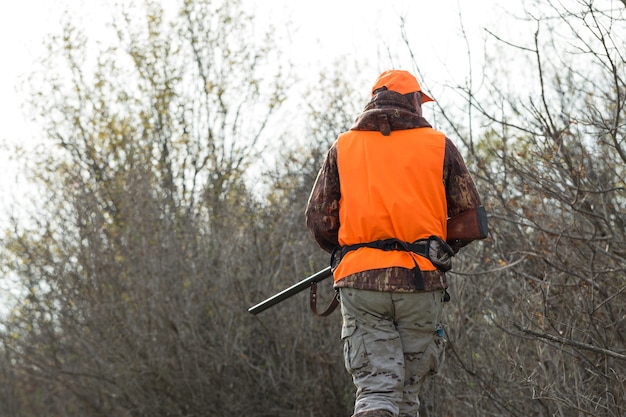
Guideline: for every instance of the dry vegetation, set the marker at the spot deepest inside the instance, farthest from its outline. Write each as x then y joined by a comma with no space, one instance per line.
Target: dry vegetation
150,242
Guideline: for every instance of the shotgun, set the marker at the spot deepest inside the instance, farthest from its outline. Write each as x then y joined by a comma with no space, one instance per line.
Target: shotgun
466,226
294,289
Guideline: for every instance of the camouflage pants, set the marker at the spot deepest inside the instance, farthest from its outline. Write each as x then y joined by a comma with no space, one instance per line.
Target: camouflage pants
392,342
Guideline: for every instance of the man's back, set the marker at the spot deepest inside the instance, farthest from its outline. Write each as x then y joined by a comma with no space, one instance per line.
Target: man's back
391,187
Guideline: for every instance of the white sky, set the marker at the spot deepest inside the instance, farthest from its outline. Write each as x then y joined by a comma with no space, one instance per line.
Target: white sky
324,29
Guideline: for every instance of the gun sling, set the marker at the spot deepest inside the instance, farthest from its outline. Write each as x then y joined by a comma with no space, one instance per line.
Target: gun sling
313,302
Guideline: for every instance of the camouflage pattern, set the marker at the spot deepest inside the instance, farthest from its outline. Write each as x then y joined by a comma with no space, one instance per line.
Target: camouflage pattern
394,279
374,413
322,213
392,343
387,111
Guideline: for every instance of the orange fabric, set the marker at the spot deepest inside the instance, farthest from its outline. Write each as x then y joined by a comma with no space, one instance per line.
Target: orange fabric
391,187
402,82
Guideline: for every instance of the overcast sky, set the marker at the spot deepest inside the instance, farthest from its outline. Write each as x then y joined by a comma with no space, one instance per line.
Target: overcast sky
323,30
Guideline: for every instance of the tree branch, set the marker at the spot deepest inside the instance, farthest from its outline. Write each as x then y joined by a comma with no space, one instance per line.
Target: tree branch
565,341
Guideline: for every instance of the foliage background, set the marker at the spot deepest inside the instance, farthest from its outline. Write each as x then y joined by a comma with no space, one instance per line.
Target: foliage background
170,195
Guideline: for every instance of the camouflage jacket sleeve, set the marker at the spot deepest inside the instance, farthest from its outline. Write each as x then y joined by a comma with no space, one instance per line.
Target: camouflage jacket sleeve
461,193
322,212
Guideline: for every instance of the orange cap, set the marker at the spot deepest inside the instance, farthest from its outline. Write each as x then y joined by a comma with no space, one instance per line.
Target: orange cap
399,81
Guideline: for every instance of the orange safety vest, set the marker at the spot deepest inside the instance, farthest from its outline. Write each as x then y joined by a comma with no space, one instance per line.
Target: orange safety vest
391,187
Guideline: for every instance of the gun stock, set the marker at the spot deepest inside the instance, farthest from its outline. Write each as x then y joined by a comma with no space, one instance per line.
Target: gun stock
469,225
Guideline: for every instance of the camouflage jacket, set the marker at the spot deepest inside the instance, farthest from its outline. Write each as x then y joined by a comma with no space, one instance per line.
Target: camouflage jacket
322,212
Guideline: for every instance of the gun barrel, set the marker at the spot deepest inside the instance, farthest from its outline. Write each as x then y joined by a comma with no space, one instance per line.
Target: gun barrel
294,289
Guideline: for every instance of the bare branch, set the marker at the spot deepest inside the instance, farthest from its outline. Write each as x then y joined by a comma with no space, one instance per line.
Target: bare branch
573,343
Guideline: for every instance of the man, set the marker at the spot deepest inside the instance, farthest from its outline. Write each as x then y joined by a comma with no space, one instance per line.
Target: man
380,200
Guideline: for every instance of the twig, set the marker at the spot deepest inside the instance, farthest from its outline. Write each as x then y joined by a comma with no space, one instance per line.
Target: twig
573,343
502,268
